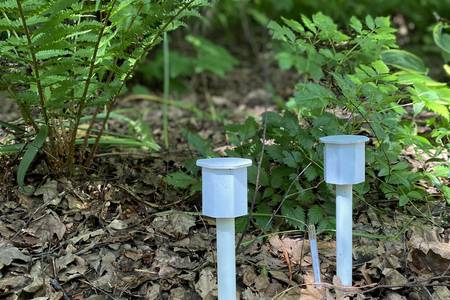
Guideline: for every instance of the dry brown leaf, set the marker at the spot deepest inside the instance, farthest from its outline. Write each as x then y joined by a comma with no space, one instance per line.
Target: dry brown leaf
176,224
393,277
9,253
295,248
311,291
206,285
49,191
117,225
49,225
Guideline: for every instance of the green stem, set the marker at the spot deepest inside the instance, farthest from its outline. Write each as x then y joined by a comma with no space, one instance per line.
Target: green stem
166,91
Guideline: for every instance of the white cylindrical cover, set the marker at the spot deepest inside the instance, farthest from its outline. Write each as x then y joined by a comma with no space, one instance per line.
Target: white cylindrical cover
344,159
224,187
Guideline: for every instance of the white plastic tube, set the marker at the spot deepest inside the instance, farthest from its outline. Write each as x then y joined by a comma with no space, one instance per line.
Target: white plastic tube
226,261
314,252
344,233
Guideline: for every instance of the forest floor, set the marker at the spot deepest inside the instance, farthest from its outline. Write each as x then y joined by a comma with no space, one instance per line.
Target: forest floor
122,233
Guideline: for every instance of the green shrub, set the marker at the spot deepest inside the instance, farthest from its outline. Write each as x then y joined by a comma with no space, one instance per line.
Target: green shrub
354,82
64,59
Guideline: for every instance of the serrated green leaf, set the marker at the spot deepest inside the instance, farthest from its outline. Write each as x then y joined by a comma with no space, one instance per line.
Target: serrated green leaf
312,95
309,24
315,214
279,32
294,216
370,22
356,24
180,180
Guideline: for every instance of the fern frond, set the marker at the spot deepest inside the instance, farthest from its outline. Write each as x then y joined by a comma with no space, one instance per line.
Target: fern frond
46,54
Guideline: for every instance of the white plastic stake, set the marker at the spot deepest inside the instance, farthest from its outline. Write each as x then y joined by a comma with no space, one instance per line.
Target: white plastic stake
224,197
344,162
344,226
314,253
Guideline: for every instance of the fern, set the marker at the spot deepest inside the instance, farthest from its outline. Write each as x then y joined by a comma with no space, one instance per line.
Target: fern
70,56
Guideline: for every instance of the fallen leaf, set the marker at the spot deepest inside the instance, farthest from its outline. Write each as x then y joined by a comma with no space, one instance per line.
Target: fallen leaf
9,253
117,225
49,225
393,277
206,285
176,224
49,191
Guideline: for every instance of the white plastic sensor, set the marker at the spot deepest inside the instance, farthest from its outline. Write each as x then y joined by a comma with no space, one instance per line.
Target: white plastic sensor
344,162
224,197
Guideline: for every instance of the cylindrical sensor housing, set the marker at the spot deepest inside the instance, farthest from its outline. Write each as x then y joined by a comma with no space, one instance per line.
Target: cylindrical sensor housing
344,158
224,186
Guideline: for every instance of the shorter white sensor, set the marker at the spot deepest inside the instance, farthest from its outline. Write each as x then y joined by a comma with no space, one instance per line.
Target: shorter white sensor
344,160
224,197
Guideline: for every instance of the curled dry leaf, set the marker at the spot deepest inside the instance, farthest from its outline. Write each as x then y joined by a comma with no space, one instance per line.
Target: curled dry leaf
48,226
117,225
10,253
176,224
49,192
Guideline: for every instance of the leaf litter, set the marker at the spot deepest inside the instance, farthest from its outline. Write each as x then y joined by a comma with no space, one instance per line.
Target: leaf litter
95,242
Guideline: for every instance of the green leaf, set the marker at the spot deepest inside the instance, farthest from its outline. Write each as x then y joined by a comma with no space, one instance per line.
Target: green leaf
356,24
308,23
294,25
315,214
46,54
403,60
369,22
281,33
380,67
180,180
8,149
199,144
294,216
403,200
441,38
312,95
31,150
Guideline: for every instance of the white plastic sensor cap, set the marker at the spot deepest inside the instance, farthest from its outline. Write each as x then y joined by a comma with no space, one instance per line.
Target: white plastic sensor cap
224,186
344,158
224,163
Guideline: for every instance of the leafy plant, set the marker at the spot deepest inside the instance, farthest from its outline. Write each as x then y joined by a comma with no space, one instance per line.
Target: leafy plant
354,82
62,59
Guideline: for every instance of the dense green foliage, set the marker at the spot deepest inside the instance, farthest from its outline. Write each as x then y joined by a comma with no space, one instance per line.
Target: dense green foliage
64,59
354,82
